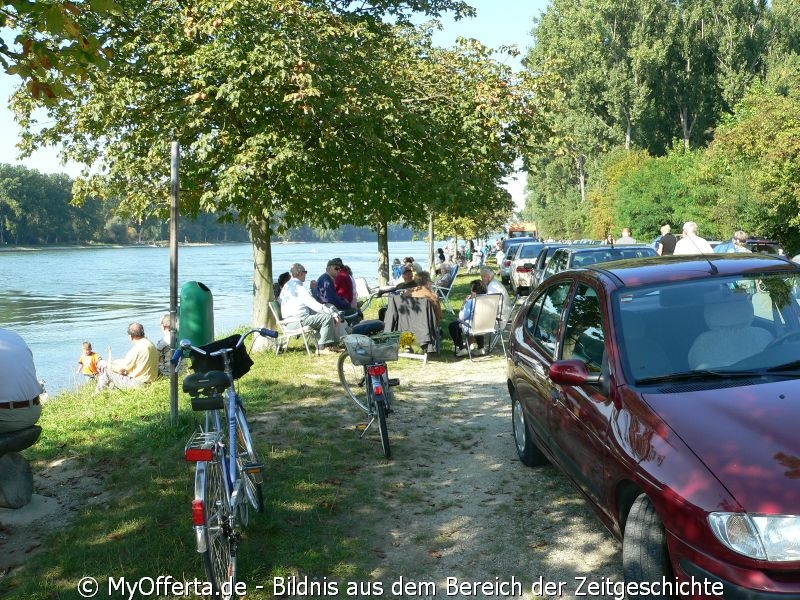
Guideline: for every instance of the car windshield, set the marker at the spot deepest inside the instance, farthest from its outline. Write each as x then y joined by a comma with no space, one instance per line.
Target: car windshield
730,326
529,251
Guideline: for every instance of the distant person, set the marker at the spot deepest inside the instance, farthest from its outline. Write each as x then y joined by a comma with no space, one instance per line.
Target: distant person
137,368
20,404
424,289
609,239
282,279
691,242
409,260
440,257
164,346
87,362
445,279
666,242
738,243
626,237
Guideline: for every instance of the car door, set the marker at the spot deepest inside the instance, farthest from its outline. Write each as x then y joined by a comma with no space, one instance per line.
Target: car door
534,349
580,415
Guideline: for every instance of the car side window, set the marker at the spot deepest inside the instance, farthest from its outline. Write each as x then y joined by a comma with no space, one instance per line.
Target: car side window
584,335
544,316
556,263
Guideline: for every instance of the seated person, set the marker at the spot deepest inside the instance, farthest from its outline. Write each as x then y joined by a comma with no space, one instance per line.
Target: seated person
326,286
457,328
424,289
495,287
19,385
137,368
345,285
297,302
445,279
406,282
164,347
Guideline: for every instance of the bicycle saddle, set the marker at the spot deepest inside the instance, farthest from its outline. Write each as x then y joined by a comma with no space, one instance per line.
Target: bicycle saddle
205,383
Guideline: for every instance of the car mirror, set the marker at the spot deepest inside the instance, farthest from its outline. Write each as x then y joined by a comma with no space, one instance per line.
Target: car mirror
572,372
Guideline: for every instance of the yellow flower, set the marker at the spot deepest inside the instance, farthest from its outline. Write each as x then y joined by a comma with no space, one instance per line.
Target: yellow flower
407,339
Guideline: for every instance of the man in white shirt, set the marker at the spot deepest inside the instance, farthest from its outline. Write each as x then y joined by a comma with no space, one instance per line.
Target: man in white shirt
691,242
19,385
626,238
495,287
296,301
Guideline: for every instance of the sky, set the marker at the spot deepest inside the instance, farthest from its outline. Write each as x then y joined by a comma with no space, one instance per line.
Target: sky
498,23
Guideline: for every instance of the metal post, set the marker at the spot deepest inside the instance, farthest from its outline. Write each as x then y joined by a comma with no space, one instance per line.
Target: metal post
173,274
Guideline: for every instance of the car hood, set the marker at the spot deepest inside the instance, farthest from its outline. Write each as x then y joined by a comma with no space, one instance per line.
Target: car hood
746,436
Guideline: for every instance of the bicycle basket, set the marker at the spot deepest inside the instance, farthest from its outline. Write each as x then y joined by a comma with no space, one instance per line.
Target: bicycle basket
365,350
240,359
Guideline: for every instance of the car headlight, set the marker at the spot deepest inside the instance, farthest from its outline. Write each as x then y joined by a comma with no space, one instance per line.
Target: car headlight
765,537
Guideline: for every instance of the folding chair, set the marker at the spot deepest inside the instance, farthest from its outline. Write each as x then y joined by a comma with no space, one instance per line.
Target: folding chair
292,327
487,310
444,292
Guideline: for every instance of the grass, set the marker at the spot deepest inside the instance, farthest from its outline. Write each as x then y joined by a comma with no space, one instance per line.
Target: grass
140,526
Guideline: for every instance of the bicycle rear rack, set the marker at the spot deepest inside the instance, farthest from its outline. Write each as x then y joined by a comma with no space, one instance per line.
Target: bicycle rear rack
200,446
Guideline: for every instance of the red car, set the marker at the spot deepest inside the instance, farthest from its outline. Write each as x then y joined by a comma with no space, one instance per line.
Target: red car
668,390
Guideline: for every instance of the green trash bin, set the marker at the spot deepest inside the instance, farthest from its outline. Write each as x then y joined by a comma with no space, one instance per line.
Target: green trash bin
196,314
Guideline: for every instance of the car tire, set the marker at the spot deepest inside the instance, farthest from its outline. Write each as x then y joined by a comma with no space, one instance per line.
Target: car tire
645,557
529,454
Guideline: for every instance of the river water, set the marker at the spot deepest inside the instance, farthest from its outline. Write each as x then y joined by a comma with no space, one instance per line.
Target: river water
57,298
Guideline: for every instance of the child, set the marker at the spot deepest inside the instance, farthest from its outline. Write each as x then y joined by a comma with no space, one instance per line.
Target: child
87,363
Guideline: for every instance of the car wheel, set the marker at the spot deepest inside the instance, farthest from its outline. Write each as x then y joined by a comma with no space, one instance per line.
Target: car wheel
644,546
528,453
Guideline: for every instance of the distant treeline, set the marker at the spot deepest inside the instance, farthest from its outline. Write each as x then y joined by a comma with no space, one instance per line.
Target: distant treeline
36,209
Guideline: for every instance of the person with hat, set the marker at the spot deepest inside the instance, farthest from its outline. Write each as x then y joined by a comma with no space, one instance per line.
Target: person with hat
326,286
20,405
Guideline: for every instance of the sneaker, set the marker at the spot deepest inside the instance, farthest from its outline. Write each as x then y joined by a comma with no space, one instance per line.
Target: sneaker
479,352
461,352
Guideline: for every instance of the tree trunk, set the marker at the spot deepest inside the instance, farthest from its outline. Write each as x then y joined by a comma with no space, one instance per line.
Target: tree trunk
263,291
383,253
431,261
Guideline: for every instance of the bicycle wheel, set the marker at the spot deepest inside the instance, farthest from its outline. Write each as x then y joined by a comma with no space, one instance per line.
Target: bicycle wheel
219,557
246,454
353,381
380,408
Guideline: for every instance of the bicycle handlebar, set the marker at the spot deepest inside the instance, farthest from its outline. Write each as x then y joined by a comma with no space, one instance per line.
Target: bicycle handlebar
186,344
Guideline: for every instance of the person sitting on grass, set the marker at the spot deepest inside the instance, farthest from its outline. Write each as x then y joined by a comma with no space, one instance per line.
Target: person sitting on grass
137,368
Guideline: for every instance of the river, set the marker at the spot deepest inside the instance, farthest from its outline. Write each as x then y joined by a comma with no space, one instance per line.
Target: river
57,298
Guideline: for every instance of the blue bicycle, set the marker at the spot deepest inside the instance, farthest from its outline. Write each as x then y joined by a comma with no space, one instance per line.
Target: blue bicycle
228,474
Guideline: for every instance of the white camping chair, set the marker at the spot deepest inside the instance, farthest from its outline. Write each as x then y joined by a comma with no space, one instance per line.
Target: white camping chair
292,327
485,320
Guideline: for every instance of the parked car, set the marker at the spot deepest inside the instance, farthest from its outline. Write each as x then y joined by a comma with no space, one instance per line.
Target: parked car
505,264
571,257
524,270
667,389
520,269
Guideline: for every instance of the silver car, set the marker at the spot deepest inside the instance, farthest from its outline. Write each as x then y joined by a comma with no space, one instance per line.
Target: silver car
521,266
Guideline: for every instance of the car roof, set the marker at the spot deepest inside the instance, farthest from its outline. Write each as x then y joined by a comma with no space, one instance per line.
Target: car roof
637,272
600,248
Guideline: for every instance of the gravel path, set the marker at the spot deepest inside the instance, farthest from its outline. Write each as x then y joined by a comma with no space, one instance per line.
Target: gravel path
461,510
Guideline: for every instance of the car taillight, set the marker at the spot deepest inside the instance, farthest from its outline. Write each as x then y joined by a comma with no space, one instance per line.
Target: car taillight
524,269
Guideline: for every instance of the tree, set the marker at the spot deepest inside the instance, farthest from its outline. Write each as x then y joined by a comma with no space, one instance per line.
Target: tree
307,111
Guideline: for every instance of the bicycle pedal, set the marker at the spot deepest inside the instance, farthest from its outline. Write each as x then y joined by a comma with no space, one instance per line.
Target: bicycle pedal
253,468
394,381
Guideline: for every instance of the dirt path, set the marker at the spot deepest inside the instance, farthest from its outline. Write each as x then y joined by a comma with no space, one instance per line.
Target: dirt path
457,503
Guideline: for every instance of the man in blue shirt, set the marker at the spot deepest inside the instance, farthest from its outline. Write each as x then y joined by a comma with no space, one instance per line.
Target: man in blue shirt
737,244
326,290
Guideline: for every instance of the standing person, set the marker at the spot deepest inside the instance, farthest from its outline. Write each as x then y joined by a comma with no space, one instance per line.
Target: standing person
440,258
456,328
297,302
666,242
326,286
691,242
137,368
738,243
19,385
626,237
87,362
609,239
495,287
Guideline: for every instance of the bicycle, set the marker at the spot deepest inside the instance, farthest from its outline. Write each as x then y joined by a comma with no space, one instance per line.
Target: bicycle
364,376
227,483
